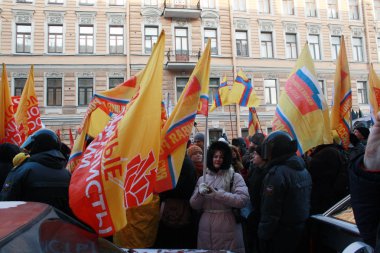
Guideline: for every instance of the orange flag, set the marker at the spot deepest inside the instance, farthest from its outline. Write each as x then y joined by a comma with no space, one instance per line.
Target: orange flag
8,130
253,122
342,98
28,115
118,169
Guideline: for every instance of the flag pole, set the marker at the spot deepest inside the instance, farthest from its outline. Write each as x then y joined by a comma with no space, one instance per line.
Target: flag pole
232,128
205,151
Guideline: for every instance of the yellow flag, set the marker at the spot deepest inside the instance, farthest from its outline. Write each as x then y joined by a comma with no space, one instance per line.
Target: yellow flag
177,129
9,131
28,114
302,110
118,169
342,98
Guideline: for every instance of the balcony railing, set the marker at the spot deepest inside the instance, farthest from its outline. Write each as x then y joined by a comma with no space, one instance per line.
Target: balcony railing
182,9
182,59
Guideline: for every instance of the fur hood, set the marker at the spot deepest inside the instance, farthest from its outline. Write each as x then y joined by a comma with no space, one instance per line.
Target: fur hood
225,148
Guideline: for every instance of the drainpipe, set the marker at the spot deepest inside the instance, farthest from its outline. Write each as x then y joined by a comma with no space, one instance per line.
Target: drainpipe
128,58
234,71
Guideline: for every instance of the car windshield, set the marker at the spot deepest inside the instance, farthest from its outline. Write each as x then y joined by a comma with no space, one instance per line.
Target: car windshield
56,232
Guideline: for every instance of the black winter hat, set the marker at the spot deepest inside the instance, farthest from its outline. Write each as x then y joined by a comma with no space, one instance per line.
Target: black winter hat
364,131
219,146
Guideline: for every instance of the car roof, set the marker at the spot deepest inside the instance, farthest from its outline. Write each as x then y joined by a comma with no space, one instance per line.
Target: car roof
14,215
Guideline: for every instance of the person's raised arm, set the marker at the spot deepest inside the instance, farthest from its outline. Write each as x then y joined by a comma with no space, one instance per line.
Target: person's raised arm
372,151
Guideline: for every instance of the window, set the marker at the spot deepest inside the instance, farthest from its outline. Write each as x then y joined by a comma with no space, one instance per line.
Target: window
376,4
208,4
288,7
54,92
86,39
151,35
270,92
181,43
322,85
266,48
24,1
362,92
114,81
354,9
150,2
357,48
23,38
213,89
264,6
116,2
214,134
55,1
335,47
55,44
378,46
86,2
180,84
314,46
311,8
85,91
239,5
269,130
291,46
241,43
19,84
332,9
212,35
116,39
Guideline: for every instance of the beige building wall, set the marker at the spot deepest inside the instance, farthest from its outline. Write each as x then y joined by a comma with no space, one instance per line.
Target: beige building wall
134,15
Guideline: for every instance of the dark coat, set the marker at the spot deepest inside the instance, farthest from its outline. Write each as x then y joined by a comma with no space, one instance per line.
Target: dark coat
7,152
186,236
42,178
328,170
285,205
365,201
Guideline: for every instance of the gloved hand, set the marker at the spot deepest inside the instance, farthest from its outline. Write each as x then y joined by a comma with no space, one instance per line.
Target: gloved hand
211,193
203,189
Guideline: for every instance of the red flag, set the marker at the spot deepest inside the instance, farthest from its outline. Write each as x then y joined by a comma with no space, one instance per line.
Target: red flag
58,133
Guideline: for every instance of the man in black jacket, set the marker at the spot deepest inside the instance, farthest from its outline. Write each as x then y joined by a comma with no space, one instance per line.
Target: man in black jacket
285,200
365,188
42,177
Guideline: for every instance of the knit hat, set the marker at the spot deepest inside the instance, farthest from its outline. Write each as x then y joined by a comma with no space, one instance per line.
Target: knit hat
257,138
193,149
199,137
364,131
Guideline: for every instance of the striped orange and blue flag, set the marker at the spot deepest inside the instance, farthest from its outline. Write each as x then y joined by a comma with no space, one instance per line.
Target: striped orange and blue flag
222,95
253,122
177,129
374,93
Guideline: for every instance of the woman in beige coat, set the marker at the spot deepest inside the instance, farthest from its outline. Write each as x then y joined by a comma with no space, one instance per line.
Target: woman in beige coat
221,190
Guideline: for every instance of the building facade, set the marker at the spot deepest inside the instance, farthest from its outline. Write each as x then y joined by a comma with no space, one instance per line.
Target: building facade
79,47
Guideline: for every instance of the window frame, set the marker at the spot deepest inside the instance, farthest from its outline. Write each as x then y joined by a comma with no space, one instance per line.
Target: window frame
333,13
87,99
184,40
86,39
268,92
335,47
266,46
363,95
289,54
119,49
312,47
286,6
357,52
17,89
308,9
214,40
24,37
114,84
150,38
55,95
241,44
351,8
56,51
264,6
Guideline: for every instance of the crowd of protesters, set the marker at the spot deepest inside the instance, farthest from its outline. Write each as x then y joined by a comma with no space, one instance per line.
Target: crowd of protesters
255,198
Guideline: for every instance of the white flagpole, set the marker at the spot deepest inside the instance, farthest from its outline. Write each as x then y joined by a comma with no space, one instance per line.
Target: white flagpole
205,151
